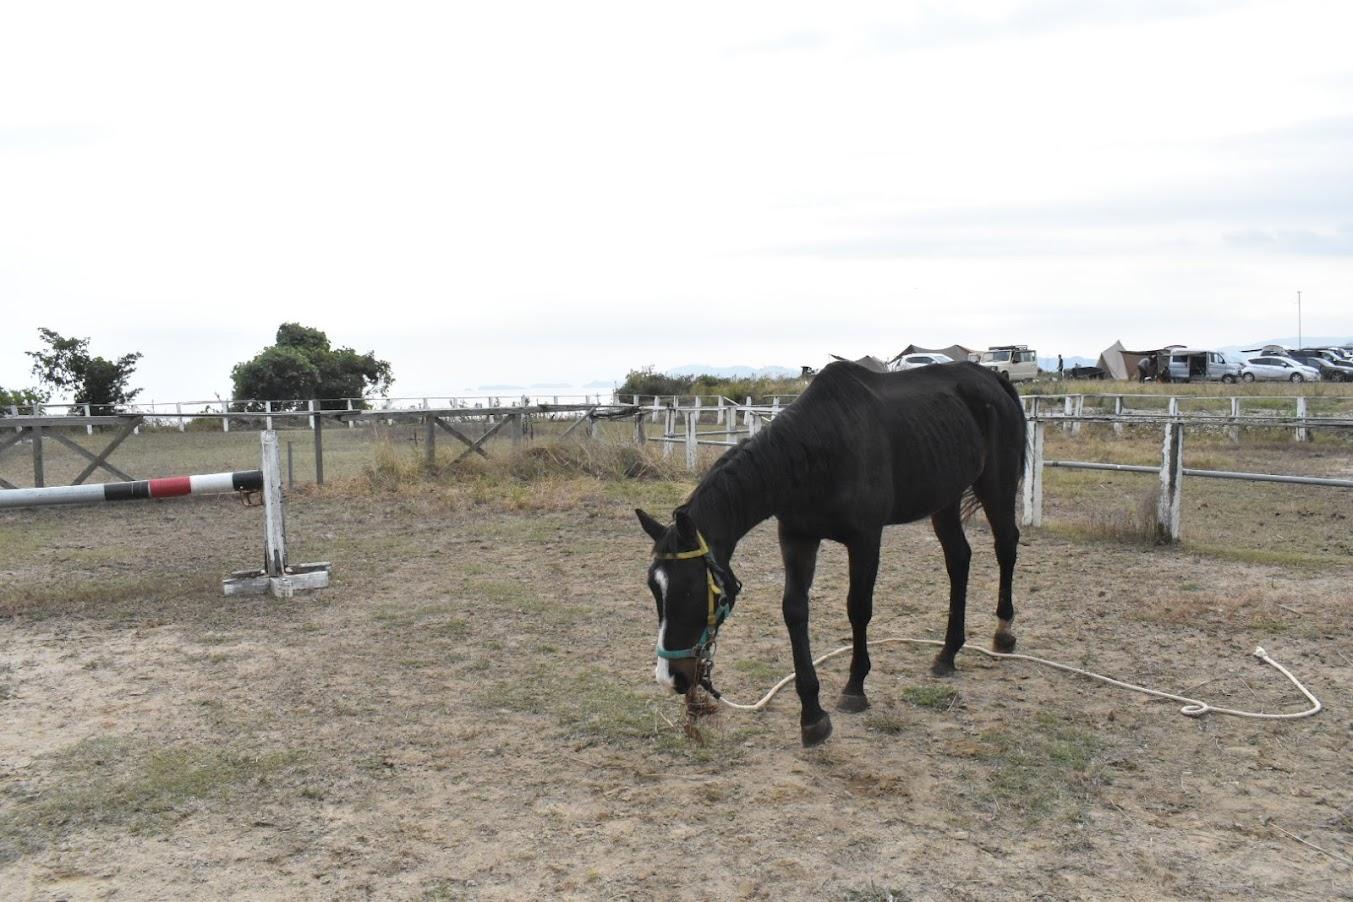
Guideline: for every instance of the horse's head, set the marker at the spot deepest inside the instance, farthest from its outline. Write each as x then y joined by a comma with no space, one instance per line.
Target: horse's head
694,592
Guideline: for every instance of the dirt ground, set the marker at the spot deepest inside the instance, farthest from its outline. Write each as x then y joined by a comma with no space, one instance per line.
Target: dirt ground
469,712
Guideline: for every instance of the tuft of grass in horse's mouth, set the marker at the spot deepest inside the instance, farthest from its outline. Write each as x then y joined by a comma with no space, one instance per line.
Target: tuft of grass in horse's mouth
698,704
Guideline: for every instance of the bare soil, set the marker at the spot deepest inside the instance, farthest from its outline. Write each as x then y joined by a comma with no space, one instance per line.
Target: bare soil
470,713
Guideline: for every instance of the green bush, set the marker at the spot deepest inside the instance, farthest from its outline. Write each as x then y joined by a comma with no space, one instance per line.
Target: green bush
647,382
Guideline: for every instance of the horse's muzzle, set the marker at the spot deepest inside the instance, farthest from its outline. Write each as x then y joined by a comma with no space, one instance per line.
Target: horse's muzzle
683,674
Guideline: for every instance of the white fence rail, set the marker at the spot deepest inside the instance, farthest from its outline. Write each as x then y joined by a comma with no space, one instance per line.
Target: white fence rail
1171,470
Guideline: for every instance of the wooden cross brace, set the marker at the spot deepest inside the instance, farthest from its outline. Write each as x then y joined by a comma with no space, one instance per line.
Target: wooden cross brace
475,446
5,443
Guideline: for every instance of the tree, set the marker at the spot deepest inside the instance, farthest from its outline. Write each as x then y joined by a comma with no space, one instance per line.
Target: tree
67,366
19,398
301,365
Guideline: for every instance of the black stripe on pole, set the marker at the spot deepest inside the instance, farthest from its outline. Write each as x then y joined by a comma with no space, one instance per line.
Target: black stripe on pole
247,481
126,491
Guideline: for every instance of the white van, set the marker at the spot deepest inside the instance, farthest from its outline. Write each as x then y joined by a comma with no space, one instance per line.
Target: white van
1200,365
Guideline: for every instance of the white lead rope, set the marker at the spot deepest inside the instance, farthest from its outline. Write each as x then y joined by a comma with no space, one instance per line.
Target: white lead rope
1192,706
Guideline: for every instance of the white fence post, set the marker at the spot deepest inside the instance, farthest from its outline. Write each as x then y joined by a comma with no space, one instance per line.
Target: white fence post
311,405
350,424
274,514
1079,409
1117,412
178,409
1302,433
1068,408
267,410
89,412
1171,483
692,420
1033,477
1235,415
669,429
225,420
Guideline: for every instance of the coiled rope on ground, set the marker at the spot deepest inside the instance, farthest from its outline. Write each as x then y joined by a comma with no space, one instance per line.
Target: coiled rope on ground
1192,706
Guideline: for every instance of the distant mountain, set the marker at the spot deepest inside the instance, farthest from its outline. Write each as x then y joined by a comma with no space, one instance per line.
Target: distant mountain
735,372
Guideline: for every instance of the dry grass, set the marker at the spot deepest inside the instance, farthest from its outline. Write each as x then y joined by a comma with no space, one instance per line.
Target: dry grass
549,475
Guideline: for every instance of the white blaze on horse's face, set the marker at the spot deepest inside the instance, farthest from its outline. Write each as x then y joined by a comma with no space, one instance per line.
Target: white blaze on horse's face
662,673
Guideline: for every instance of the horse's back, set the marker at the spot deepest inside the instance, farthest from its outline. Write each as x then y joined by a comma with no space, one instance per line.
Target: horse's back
919,438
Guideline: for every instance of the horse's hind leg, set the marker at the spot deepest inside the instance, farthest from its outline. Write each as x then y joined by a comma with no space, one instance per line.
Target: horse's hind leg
864,568
800,558
1000,511
948,526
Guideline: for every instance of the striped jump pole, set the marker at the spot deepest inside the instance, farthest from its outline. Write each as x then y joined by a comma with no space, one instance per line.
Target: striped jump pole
278,576
168,487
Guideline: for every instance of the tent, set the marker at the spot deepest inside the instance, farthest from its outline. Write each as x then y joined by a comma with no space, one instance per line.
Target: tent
868,361
957,352
1121,363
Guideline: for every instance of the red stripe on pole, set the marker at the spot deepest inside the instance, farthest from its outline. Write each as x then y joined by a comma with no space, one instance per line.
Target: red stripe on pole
171,486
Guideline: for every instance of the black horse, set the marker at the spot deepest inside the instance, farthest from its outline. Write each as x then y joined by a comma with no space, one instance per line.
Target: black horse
857,451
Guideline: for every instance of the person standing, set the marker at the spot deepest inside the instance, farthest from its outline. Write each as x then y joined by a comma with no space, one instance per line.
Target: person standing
1059,367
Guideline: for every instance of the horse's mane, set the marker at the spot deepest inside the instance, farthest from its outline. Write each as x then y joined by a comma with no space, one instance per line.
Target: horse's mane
794,455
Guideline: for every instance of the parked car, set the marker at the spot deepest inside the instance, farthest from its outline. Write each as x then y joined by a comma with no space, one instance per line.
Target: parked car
1014,362
1331,370
1199,365
1277,369
912,361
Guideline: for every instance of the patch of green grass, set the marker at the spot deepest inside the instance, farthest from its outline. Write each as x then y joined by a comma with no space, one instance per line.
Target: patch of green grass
436,620
760,671
1280,557
887,724
26,539
941,698
1040,766
445,891
128,784
595,706
99,594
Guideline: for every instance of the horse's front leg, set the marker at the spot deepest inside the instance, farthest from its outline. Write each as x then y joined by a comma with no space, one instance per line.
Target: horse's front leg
800,558
864,568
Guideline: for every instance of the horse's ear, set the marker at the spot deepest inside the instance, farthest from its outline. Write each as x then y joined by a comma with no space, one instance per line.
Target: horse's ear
686,527
654,529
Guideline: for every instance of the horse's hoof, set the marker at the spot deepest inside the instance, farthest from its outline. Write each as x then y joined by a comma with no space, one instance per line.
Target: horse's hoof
817,733
851,703
942,667
1003,643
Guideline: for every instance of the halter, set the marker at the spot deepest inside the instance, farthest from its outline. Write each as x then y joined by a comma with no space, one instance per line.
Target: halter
720,603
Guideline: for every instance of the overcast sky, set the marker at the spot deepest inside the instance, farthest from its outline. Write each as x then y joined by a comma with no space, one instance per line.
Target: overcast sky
560,192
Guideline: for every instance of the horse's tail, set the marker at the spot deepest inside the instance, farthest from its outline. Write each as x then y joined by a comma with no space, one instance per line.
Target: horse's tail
1020,430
